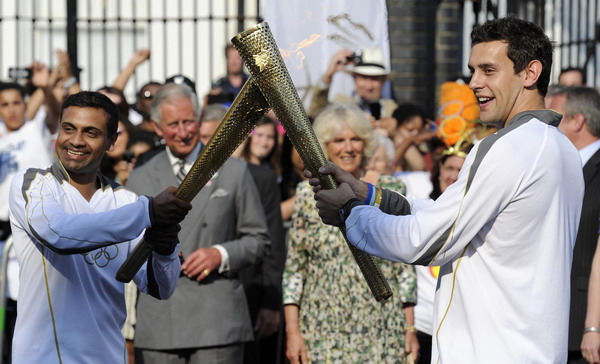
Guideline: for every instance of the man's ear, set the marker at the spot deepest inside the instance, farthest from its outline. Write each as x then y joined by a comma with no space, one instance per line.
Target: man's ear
156,128
532,73
579,122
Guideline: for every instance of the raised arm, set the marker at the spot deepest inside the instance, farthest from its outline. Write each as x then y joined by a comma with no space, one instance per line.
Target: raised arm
139,57
42,79
319,98
70,83
428,236
36,206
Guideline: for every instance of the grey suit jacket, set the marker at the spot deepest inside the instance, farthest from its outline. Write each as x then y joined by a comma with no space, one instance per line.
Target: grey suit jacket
213,312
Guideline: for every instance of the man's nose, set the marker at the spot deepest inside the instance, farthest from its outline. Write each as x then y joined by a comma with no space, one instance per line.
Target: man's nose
77,139
475,82
181,131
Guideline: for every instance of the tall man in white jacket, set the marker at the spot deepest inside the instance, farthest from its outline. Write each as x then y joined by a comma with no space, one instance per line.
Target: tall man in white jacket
503,234
72,230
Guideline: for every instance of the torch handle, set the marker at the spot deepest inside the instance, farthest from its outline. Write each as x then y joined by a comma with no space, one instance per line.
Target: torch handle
134,262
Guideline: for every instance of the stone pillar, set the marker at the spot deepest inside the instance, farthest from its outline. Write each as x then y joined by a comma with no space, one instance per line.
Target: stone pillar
448,42
412,27
426,46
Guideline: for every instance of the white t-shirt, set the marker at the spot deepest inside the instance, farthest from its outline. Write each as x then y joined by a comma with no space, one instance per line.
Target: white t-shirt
29,147
71,308
504,240
418,183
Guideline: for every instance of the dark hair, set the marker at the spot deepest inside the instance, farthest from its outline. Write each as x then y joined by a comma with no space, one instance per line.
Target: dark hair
141,136
4,86
181,79
435,179
122,106
525,40
151,83
574,69
406,111
95,100
436,172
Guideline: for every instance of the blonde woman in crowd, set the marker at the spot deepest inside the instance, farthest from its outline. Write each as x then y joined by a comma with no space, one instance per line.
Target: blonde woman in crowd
330,313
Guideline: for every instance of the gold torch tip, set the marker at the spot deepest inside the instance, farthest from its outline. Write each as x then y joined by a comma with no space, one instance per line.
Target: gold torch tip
249,31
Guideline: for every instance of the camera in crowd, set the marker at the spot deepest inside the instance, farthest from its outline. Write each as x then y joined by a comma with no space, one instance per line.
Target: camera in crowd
355,58
17,73
128,156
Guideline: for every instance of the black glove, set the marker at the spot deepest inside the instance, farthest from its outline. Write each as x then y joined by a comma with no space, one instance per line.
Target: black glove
163,239
167,209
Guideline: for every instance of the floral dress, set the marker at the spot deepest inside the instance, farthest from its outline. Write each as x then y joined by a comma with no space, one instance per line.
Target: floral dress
340,320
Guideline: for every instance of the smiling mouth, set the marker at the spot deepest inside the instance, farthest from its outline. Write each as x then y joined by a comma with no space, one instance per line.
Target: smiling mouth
484,100
73,153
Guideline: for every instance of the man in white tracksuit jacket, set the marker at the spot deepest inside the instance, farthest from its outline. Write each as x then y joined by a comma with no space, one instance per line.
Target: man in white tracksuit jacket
503,234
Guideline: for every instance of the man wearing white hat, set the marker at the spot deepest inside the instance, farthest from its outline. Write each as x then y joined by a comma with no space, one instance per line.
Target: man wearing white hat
369,74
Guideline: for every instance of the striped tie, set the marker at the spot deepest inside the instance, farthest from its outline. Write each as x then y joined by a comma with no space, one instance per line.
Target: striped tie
181,173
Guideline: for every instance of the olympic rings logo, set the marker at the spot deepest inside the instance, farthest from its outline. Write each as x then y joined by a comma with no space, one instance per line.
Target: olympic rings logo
101,257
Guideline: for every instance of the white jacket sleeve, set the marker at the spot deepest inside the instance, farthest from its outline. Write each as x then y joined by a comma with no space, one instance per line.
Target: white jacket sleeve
37,209
437,234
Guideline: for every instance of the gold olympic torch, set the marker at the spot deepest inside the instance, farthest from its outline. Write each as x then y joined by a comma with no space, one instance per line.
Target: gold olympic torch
261,56
243,115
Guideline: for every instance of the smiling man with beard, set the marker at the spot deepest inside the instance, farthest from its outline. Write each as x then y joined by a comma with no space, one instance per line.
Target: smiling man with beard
503,233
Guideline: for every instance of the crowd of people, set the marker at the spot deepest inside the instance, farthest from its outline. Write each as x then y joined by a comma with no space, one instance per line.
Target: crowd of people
492,182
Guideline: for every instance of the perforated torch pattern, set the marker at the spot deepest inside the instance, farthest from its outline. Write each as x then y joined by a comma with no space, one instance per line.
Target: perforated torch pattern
261,56
238,122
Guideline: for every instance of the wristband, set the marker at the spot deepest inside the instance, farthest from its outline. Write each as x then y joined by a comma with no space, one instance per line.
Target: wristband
378,197
369,194
592,329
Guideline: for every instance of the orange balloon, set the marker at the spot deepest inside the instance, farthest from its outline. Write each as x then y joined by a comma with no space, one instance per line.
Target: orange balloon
458,98
451,129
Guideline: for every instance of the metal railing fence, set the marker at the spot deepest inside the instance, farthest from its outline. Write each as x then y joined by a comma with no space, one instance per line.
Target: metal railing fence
184,36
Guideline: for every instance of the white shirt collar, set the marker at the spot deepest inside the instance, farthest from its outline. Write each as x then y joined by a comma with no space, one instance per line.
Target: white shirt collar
189,160
588,151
